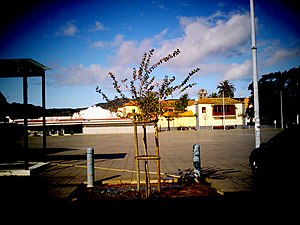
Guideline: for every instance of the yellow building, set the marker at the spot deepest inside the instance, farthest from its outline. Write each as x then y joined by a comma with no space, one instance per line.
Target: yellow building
218,112
210,113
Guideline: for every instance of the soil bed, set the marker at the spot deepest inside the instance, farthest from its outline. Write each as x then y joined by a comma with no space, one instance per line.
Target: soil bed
185,189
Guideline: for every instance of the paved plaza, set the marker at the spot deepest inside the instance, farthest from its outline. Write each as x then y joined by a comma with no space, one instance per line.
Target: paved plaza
223,157
49,190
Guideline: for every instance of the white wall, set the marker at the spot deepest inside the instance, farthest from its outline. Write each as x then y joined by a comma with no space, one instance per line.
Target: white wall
114,130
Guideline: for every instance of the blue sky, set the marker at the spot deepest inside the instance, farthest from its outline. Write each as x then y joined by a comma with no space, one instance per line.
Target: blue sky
81,41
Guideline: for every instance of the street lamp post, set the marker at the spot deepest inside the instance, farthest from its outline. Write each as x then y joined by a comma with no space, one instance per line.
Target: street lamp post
255,83
223,111
281,110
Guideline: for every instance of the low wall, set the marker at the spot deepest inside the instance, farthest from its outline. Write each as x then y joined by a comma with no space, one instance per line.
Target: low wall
114,129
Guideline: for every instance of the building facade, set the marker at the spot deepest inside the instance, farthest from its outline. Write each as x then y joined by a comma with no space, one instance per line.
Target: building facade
209,113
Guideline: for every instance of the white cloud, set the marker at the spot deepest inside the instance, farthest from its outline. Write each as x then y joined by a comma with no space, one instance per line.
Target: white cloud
78,75
205,42
94,75
118,40
202,40
281,55
98,44
126,54
69,29
158,37
108,44
98,26
238,71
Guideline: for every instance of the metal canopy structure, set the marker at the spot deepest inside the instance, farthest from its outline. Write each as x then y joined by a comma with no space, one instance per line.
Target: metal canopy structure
24,68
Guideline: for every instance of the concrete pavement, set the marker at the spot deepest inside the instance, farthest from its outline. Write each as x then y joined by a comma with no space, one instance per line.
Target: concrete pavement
224,162
223,157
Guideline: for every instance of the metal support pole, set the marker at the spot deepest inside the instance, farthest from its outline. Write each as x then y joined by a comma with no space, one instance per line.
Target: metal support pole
197,116
196,161
147,174
25,100
44,115
136,154
281,110
157,161
90,167
255,82
223,111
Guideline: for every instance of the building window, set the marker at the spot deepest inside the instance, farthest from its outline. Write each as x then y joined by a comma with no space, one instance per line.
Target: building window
203,109
218,110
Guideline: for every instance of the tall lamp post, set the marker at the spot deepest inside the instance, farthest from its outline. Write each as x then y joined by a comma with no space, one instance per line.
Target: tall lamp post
223,110
255,83
281,110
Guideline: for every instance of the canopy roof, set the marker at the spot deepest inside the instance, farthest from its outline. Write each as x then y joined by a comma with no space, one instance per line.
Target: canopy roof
23,67
26,67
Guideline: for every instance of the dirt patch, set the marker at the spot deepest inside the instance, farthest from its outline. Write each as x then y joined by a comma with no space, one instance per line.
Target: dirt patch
181,189
174,200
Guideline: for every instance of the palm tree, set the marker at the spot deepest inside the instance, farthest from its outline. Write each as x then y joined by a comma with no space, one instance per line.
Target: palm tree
227,87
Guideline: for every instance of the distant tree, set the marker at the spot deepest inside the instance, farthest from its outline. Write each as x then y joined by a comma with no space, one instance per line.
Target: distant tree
227,87
182,103
145,91
270,87
3,107
180,107
62,111
3,100
17,110
20,111
213,95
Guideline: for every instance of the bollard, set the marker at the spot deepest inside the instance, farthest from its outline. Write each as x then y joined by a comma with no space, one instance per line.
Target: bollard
196,161
90,167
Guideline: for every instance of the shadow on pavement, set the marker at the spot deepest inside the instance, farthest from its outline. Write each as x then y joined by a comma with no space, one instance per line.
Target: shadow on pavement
27,198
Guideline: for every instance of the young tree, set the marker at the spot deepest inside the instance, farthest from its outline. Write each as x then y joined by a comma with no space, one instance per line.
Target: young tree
145,91
148,95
